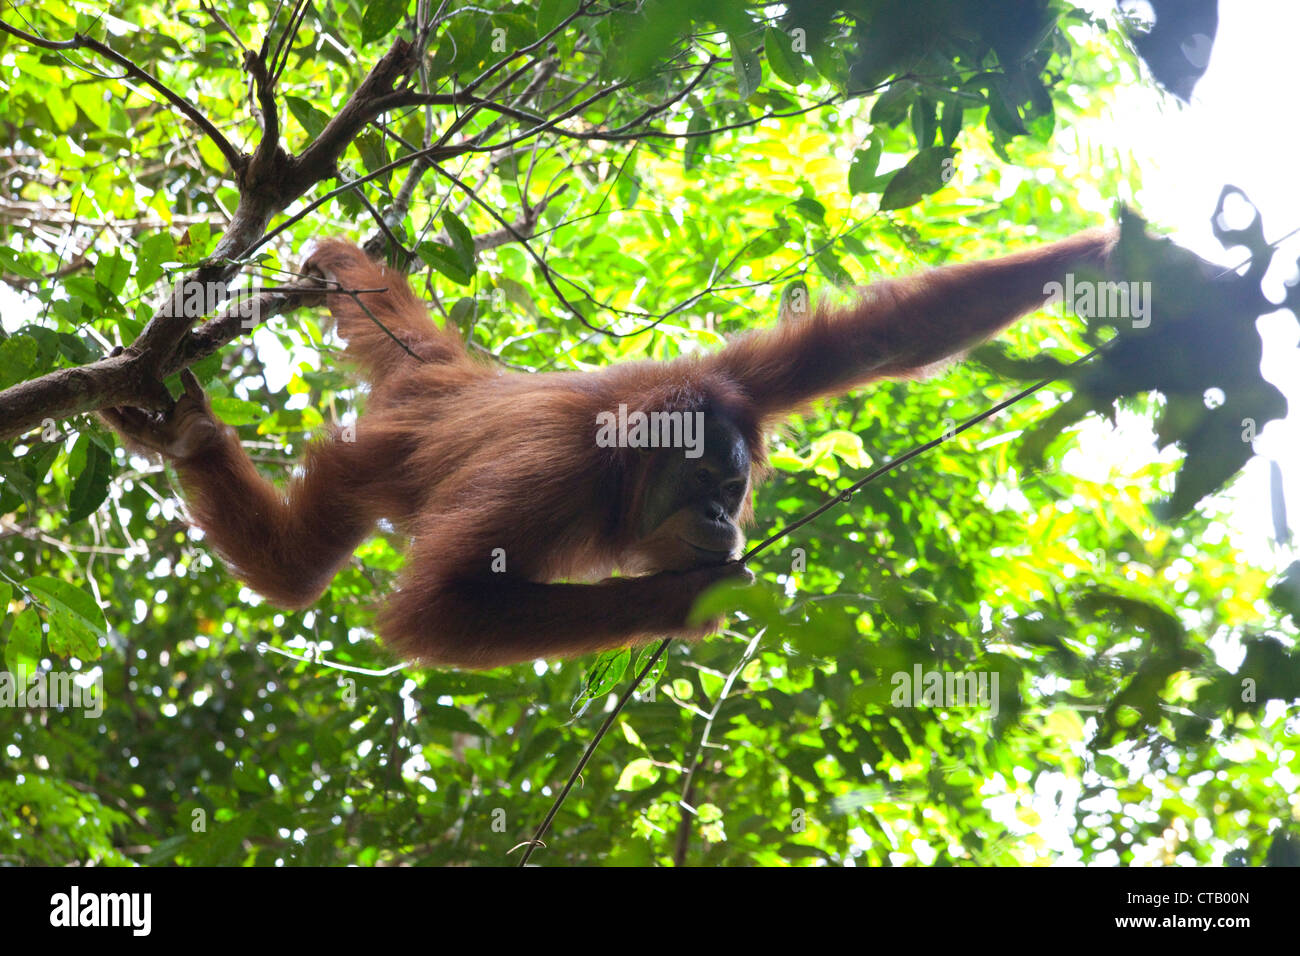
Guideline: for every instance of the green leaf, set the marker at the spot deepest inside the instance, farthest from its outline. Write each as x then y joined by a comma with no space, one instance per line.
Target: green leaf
155,249
950,121
785,63
605,674
830,267
91,485
165,850
830,62
643,658
112,271
697,144
845,445
446,260
892,105
811,210
23,648
747,67
550,12
37,462
926,172
312,119
236,411
854,246
1286,593
380,17
374,154
462,240
17,357
924,121
250,779
75,621
628,185
862,172
10,261
631,735
463,313
453,719
1004,116
638,775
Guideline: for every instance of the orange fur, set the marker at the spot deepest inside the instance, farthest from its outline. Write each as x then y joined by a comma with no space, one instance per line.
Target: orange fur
466,458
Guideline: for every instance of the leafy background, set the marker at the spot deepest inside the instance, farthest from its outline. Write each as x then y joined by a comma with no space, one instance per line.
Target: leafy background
1148,674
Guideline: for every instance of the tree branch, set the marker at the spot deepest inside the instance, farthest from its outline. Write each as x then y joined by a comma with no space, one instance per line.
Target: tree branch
130,378
166,345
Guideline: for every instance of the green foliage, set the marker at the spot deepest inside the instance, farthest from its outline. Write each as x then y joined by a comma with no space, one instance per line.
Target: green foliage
235,733
1193,331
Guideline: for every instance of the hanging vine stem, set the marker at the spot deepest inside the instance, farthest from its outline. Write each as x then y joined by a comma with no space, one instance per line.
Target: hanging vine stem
840,497
536,841
686,800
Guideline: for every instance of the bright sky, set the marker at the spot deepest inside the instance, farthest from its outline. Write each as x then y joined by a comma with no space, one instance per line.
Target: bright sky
1238,129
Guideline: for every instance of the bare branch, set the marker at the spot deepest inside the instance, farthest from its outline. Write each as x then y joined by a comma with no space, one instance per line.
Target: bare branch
270,182
541,41
415,98
132,378
265,89
71,391
318,160
220,20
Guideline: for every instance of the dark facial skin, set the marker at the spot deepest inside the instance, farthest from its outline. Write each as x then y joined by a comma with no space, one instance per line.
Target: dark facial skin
689,512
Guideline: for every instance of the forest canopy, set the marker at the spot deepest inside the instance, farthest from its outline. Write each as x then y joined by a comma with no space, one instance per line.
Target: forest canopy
570,184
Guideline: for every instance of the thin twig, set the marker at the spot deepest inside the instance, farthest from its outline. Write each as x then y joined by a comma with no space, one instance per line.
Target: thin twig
536,841
685,803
